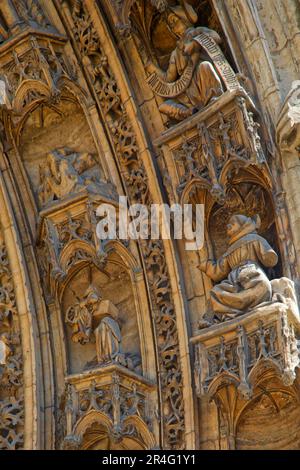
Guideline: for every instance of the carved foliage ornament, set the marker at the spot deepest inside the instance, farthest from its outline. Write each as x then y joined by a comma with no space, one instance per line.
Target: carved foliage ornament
123,137
118,403
11,374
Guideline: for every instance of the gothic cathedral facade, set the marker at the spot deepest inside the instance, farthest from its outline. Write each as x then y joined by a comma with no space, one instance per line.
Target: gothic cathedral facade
138,343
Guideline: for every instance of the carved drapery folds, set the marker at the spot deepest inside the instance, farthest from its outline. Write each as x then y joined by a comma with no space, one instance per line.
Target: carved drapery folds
212,153
93,317
11,369
124,142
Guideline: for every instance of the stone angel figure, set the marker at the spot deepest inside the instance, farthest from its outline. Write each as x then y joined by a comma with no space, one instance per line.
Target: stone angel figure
241,283
80,317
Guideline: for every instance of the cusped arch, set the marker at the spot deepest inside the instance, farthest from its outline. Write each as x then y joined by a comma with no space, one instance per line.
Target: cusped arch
29,86
224,379
90,418
195,184
95,427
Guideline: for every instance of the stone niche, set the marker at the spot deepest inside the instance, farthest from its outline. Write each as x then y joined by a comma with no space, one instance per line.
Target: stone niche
249,368
56,132
114,286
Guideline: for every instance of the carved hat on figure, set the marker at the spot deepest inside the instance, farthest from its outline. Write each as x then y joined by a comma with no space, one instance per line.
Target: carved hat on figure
180,18
240,225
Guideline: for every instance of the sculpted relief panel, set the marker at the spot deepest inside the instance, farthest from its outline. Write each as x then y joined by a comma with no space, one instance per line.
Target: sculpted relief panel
60,155
66,172
244,284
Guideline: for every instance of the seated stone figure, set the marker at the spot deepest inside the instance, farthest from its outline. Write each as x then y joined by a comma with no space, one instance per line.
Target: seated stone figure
65,172
241,282
188,63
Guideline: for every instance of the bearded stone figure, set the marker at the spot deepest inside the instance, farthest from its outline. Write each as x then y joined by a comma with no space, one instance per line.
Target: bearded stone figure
242,283
194,79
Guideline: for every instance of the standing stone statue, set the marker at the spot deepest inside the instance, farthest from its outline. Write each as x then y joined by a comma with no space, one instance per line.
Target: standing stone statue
191,80
107,332
241,282
92,314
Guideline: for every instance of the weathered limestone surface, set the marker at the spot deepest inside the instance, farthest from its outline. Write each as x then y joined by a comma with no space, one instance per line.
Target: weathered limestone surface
113,344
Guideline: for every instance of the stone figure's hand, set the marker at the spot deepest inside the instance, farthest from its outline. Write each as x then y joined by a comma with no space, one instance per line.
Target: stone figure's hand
189,48
150,67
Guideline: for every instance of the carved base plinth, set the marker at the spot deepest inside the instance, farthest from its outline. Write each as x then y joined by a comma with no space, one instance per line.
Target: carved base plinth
238,351
115,402
67,237
205,148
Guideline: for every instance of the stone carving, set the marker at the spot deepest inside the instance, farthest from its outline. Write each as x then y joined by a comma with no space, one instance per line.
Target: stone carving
260,342
216,147
31,11
117,401
37,74
196,66
93,316
244,285
11,373
12,20
68,243
65,172
121,132
80,317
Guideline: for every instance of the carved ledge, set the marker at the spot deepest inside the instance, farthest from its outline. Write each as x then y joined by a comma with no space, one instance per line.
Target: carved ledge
237,351
190,124
103,375
207,148
67,236
114,397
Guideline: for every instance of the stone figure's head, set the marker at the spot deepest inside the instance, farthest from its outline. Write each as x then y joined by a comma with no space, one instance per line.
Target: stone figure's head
92,295
180,18
240,225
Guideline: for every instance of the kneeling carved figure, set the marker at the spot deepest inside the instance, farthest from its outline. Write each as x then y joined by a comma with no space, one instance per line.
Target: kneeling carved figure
243,285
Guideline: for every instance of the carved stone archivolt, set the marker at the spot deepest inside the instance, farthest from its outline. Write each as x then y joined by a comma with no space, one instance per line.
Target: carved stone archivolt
123,138
11,364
